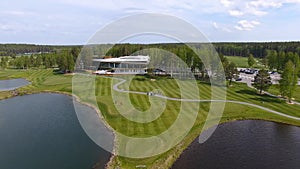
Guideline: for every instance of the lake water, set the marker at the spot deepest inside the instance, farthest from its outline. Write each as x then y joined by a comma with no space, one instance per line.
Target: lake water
245,145
41,131
6,85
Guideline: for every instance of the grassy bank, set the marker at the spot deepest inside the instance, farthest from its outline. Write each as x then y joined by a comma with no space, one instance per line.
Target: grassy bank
243,61
232,112
41,81
46,80
274,89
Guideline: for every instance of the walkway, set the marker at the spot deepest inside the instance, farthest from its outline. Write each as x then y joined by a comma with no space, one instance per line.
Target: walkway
115,87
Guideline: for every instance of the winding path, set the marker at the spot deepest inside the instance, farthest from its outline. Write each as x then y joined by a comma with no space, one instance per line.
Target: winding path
115,87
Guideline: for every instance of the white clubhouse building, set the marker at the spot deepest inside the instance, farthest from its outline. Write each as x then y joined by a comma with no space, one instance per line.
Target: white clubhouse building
123,65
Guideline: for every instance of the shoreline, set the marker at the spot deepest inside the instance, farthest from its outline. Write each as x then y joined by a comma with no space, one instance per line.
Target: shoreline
174,153
181,147
77,99
232,121
178,150
106,125
22,92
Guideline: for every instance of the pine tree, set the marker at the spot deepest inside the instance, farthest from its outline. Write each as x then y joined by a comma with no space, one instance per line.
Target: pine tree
251,60
230,71
272,59
262,81
288,80
4,62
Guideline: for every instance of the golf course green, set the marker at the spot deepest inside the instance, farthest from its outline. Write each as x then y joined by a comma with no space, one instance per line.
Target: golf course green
46,80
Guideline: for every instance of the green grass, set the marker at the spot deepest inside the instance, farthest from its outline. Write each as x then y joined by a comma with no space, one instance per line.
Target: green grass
274,89
41,80
242,93
239,92
46,80
243,61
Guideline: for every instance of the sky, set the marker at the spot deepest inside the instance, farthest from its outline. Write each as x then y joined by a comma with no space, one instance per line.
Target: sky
70,22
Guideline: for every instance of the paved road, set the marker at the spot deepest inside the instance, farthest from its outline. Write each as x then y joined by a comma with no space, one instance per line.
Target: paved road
115,87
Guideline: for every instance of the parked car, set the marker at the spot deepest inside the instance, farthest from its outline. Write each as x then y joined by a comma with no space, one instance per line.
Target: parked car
274,73
238,79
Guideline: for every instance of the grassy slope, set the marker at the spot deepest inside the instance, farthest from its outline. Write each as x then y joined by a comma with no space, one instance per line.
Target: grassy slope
232,112
274,89
239,92
41,80
243,61
45,80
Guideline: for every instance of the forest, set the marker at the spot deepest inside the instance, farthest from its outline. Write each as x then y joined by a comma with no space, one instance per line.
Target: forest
258,50
22,56
280,56
19,49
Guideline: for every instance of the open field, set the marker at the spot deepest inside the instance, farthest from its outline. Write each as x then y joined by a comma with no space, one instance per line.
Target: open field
46,80
243,61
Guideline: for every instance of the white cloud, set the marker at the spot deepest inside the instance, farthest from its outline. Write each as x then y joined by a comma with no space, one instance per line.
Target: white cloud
226,3
292,1
6,27
255,11
235,13
266,3
155,5
32,18
17,13
244,25
234,8
238,8
261,7
215,25
223,28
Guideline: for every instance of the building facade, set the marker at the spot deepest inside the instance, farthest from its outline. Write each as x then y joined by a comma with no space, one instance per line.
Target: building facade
122,65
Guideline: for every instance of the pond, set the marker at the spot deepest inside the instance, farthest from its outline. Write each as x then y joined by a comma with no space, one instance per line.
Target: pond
6,85
42,131
245,145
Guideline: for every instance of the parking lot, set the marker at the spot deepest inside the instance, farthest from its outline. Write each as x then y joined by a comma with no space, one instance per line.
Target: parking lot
248,78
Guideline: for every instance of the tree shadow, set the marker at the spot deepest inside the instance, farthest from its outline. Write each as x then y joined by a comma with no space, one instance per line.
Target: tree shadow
139,79
258,97
57,72
268,99
249,92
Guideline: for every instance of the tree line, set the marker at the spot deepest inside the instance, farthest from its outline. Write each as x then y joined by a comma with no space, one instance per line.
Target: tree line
65,60
278,61
258,50
288,64
287,83
282,56
13,50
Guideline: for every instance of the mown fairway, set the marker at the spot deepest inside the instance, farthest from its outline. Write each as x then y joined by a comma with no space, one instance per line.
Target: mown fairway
46,80
239,92
41,80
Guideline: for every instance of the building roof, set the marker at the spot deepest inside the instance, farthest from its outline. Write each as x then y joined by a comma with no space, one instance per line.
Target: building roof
126,59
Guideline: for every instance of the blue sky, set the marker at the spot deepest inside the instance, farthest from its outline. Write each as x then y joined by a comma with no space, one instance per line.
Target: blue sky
75,21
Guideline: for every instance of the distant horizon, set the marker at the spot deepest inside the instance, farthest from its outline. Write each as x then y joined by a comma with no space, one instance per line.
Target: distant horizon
155,43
